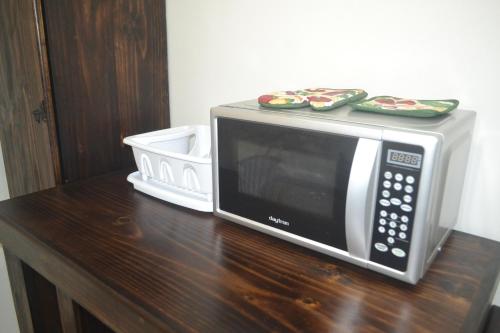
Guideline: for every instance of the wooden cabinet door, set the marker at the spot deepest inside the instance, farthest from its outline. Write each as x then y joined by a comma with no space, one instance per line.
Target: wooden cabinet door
108,63
24,132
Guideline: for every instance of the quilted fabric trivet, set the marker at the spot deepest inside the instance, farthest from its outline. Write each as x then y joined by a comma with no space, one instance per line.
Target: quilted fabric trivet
406,107
319,99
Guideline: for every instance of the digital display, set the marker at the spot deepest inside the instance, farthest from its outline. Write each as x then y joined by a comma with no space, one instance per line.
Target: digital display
404,158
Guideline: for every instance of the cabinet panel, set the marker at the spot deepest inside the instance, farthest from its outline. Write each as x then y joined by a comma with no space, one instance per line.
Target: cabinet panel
109,78
23,127
42,302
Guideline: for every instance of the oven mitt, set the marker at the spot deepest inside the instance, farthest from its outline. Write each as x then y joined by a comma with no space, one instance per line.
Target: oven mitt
320,99
283,100
324,99
406,107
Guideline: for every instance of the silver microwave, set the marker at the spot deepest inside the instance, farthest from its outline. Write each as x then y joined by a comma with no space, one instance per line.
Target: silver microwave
382,192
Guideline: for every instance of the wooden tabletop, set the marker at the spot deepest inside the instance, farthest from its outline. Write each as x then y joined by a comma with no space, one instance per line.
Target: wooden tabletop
142,265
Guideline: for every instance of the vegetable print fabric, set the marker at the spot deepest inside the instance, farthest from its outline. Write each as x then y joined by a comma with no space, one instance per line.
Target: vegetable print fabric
406,107
319,99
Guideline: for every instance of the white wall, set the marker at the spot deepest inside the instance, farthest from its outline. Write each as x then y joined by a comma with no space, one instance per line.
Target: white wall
4,189
8,321
228,50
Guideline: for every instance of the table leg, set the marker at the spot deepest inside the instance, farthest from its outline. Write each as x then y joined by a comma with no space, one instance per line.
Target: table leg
68,312
19,293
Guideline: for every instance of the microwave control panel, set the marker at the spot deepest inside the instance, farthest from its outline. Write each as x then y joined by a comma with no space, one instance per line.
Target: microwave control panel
397,191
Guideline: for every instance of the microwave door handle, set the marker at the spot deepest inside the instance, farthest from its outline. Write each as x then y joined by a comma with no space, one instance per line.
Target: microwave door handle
361,196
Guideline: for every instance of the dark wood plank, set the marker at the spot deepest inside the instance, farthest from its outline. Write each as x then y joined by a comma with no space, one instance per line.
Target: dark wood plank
109,73
19,293
105,303
42,301
68,312
134,261
47,89
25,142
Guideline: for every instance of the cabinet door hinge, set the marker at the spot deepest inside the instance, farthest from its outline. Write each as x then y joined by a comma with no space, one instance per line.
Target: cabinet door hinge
40,113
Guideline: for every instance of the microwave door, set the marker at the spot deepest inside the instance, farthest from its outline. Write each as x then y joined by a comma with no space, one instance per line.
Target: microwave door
361,197
291,179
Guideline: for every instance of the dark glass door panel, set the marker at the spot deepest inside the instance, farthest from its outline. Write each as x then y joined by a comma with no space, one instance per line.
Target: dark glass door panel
291,179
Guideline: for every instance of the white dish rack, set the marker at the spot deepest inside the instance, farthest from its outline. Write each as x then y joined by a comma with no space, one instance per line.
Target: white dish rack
174,165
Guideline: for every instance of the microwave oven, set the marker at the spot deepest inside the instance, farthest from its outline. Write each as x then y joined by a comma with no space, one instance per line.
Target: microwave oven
378,191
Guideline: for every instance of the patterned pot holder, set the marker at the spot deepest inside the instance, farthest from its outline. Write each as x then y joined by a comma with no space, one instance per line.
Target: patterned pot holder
406,107
320,99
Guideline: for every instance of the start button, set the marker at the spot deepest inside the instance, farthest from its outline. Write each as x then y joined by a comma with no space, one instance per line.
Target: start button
398,252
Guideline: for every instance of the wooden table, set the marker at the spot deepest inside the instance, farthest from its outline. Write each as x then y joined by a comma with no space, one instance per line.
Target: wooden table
142,265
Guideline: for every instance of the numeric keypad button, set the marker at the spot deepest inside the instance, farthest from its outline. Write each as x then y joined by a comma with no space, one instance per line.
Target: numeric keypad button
410,179
388,175
409,189
398,186
383,213
382,221
407,198
404,219
398,177
394,216
381,230
387,184
386,194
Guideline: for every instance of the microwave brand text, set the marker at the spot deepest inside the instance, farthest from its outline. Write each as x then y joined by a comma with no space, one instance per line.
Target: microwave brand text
278,221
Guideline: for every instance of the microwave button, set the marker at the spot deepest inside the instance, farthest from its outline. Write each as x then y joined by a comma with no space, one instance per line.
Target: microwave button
404,219
387,184
410,179
381,247
391,232
398,186
390,240
403,227
409,189
382,221
398,252
406,208
394,216
386,193
381,229
388,175
385,202
393,224
398,177
407,198
402,235
383,213
395,201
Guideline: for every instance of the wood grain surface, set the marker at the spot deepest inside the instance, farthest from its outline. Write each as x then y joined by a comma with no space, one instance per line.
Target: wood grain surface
19,293
142,265
68,313
47,88
108,61
25,142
